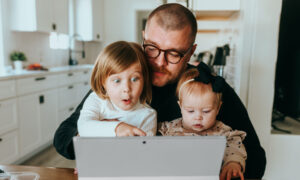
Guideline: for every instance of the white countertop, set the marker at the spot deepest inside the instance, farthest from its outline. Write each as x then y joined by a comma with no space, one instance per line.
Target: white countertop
54,70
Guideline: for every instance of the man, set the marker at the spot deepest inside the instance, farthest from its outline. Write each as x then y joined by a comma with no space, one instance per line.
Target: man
168,44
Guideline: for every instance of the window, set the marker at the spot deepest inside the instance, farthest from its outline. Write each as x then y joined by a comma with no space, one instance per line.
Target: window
58,41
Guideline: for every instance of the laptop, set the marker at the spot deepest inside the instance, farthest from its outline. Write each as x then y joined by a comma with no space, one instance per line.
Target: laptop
149,158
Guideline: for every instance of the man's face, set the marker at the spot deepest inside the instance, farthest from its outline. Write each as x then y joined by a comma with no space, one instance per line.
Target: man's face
179,40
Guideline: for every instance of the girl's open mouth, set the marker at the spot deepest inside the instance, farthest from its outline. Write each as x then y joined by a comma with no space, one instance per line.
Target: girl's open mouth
126,101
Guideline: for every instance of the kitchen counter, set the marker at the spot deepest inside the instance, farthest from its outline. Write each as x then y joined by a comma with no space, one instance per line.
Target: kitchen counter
54,70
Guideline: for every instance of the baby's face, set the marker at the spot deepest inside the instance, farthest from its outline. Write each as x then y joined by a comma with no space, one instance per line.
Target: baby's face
199,112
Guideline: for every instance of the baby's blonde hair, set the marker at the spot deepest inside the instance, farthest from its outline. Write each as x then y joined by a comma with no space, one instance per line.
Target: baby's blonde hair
187,86
116,58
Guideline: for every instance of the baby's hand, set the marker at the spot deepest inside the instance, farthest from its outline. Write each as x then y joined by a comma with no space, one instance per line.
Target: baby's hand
231,170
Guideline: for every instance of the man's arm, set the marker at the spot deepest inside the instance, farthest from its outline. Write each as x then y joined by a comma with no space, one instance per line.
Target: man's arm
234,114
63,138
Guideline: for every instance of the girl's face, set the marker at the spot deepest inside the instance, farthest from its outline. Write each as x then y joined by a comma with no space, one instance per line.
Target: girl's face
124,89
199,112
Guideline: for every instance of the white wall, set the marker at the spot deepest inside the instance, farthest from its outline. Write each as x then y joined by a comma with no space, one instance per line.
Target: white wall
1,42
120,18
283,157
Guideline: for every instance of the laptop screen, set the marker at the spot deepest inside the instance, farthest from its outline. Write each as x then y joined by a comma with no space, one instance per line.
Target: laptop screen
149,156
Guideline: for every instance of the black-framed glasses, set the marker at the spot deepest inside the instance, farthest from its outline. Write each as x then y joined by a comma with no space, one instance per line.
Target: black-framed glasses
171,56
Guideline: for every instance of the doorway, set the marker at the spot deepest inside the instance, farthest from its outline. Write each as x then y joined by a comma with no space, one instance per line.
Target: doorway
286,107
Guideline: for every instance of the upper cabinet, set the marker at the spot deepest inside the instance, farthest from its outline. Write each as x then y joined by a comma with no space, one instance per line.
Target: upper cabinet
89,19
40,15
215,5
214,8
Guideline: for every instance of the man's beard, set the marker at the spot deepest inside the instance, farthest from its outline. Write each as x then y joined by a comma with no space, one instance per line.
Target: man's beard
168,73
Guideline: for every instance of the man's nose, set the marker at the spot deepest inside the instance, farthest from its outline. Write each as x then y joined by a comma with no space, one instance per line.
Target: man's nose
161,60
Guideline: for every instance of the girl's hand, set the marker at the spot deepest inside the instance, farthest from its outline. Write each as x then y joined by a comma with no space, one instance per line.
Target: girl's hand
231,170
75,171
124,129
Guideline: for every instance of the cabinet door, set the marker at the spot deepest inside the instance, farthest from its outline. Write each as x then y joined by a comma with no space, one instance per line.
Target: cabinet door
67,96
82,89
9,149
97,20
29,127
89,19
43,15
48,114
60,12
8,115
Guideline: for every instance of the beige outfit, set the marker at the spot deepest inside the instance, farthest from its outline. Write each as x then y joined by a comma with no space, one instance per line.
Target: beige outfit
235,150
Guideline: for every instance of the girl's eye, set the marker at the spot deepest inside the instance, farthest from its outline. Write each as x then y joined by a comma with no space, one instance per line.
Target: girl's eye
206,111
116,80
134,79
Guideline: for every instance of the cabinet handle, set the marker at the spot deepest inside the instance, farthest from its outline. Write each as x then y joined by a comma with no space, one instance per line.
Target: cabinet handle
98,36
54,26
42,99
0,139
40,78
85,72
70,74
86,83
71,109
70,87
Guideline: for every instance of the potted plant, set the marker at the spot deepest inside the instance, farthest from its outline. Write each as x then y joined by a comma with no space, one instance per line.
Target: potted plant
18,57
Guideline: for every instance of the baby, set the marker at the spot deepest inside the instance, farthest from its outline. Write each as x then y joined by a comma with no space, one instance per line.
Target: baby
200,101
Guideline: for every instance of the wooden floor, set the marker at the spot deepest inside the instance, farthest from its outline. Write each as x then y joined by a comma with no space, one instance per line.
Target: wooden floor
50,158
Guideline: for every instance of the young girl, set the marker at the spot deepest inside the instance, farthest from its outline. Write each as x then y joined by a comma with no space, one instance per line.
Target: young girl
121,87
200,103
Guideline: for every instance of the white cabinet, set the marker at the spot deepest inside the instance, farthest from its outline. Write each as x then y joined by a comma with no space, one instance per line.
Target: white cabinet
215,5
36,84
48,114
39,15
9,149
38,119
32,107
82,89
89,19
29,120
7,89
74,86
60,15
8,115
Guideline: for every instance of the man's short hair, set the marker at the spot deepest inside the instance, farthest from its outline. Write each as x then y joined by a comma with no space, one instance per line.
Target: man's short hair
174,16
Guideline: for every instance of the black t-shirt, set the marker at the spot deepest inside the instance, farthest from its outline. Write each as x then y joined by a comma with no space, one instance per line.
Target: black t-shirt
233,113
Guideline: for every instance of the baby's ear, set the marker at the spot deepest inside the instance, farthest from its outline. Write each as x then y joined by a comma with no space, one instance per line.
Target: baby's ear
220,105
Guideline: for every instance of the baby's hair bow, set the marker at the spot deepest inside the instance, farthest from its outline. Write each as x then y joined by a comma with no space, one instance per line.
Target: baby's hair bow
206,77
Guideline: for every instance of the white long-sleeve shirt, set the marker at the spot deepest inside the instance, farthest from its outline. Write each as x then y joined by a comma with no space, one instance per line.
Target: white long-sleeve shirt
96,109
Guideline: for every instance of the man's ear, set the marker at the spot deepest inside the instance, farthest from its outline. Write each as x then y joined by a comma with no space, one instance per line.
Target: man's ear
191,52
143,33
193,49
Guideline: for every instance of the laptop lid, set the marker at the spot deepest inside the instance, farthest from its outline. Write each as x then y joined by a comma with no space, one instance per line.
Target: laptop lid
157,157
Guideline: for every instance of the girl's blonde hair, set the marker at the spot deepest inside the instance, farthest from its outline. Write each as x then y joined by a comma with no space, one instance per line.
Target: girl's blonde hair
116,58
187,86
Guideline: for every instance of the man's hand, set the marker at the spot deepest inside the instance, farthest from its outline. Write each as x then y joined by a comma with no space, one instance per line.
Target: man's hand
231,170
124,129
